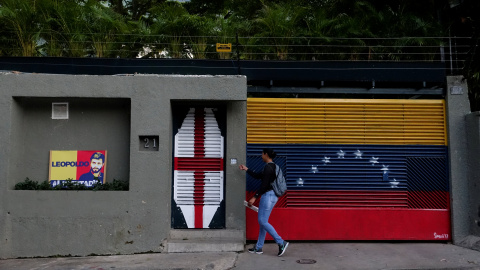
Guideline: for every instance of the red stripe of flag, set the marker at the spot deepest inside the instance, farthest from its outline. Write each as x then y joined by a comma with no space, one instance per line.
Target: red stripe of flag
199,151
198,164
198,198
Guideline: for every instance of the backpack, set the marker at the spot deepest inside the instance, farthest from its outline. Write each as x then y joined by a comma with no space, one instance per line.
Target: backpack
279,185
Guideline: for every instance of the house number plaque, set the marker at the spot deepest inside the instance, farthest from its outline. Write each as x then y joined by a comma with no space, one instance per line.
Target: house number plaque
148,143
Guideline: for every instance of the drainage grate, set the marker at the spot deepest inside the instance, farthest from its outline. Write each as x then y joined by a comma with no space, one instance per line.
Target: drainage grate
306,261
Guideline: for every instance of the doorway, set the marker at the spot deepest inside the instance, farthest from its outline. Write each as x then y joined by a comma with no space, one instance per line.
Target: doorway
198,159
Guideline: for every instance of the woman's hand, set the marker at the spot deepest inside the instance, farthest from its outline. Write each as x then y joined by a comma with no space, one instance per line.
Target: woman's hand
243,167
251,201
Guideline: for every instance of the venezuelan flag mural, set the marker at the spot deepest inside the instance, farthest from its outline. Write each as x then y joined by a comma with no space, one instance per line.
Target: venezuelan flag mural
85,167
355,169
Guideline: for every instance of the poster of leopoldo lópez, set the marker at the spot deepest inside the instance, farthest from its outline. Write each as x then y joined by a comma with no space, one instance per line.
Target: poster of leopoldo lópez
82,167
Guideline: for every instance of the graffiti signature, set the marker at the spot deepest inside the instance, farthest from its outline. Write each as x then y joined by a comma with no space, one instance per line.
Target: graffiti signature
440,236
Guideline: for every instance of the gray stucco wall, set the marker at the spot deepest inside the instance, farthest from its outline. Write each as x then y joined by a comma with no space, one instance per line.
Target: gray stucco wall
473,139
45,223
457,107
463,147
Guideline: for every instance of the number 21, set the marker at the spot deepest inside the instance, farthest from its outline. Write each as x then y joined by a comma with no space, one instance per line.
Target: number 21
147,143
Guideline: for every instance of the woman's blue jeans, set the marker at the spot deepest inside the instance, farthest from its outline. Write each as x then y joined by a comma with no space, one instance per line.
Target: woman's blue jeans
267,202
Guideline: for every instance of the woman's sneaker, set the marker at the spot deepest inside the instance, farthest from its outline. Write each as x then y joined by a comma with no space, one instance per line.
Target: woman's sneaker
255,250
282,248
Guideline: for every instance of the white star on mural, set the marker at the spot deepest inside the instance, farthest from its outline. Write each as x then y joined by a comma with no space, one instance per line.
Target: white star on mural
341,154
300,182
314,169
374,160
384,169
326,160
394,183
358,154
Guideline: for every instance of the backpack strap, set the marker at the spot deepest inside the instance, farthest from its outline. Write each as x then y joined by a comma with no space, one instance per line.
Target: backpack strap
277,168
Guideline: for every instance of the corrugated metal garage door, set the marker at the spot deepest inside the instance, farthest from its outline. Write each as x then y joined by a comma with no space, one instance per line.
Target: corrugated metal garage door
356,169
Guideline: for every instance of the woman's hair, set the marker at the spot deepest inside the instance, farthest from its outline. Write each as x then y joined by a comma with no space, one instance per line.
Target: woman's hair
269,152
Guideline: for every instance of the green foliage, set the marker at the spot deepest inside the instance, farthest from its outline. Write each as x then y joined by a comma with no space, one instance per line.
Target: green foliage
353,30
70,184
281,23
472,73
268,29
171,25
471,70
115,185
27,185
20,20
132,9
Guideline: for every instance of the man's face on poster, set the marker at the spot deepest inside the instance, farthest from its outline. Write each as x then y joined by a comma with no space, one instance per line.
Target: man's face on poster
96,165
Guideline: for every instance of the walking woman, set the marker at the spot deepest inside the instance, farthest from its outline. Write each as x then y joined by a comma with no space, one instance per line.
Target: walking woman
267,202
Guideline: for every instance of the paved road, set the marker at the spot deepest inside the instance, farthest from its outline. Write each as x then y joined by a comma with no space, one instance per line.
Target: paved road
327,255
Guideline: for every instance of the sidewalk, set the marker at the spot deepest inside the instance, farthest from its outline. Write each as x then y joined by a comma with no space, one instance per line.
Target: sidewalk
327,255
363,255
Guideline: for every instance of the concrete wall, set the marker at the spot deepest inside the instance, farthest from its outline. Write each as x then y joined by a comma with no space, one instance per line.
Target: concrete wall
45,223
457,107
463,147
473,183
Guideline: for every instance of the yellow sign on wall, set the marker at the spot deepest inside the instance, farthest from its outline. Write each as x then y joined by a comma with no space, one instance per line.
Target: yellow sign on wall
224,47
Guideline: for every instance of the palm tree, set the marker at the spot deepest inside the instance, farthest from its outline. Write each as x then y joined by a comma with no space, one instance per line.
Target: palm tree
472,70
170,25
106,29
19,18
200,30
321,30
278,24
59,18
7,39
418,33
